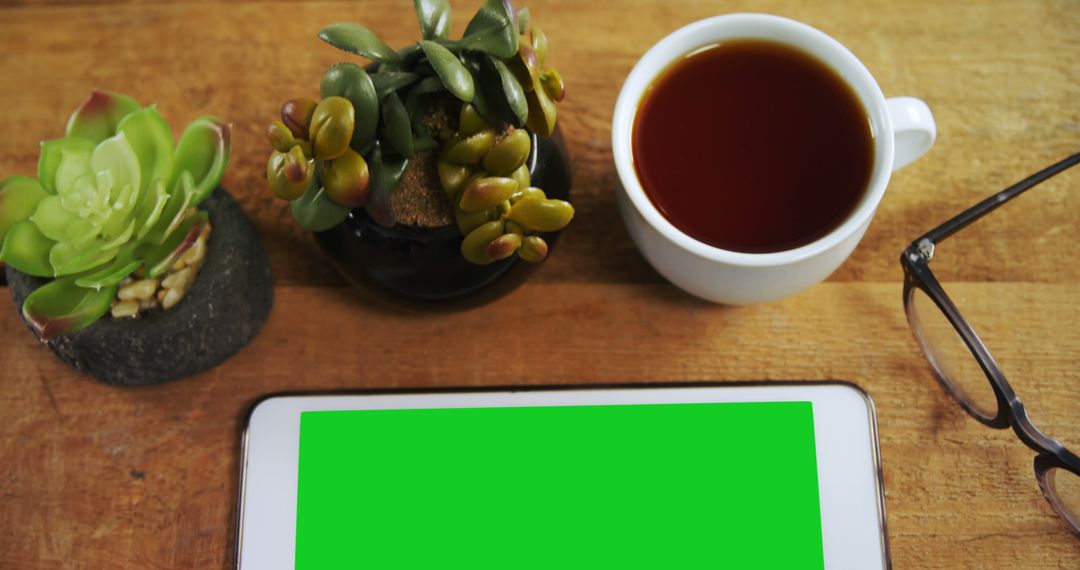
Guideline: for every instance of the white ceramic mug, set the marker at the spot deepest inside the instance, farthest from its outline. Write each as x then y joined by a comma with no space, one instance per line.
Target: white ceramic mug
903,129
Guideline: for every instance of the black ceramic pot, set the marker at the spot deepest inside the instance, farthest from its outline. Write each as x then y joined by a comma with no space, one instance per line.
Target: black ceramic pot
422,268
224,310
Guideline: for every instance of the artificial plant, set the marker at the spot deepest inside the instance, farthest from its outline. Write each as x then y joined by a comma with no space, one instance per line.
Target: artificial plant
350,149
113,197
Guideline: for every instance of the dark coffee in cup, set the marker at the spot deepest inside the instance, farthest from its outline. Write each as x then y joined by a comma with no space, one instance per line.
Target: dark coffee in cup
753,146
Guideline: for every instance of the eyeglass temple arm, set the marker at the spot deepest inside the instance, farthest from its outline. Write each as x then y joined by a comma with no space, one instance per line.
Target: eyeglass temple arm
963,219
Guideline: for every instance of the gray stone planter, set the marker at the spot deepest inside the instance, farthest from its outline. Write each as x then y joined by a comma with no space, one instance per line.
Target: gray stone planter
222,312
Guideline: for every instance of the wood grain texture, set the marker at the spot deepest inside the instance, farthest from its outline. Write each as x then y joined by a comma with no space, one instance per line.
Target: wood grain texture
98,477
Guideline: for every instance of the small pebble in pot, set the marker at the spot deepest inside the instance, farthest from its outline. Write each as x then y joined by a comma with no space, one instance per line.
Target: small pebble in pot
137,296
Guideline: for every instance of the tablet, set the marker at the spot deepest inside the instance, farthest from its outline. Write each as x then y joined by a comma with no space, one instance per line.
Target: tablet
748,476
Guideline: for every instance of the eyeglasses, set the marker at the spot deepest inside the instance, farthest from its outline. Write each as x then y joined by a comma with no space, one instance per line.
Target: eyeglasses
964,365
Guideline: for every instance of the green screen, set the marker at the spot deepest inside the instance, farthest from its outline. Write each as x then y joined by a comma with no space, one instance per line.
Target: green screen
679,486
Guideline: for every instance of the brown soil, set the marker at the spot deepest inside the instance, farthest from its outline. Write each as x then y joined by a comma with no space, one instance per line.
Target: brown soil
419,199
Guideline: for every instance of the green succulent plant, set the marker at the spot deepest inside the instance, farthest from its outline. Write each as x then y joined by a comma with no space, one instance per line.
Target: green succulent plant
113,197
350,149
487,181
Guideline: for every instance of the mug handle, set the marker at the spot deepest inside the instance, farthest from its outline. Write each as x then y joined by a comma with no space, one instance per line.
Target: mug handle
914,129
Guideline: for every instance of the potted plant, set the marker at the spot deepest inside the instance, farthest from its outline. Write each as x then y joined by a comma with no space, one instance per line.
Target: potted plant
124,256
435,177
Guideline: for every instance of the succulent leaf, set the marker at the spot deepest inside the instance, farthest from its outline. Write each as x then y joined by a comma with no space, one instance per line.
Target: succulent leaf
332,127
149,210
512,91
541,215
486,193
534,249
62,307
521,175
116,166
509,154
354,38
471,149
553,84
19,197
159,258
492,30
489,100
353,83
68,258
289,173
541,119
96,119
503,246
281,137
470,122
108,275
59,223
434,18
474,246
418,98
296,117
174,211
452,177
540,46
347,179
397,129
450,70
315,211
74,174
25,248
523,20
386,82
151,139
52,153
203,151
385,175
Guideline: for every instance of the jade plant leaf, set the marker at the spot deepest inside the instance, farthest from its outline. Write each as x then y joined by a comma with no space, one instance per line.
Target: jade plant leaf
152,141
25,248
97,117
61,307
19,197
434,18
397,129
354,38
450,70
315,211
386,82
512,91
159,258
348,80
203,150
51,154
492,30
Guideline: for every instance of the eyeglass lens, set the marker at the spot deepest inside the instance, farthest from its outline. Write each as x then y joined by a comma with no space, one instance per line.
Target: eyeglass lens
1064,487
950,356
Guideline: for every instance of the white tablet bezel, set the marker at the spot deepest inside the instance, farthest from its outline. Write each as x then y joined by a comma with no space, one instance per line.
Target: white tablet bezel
845,425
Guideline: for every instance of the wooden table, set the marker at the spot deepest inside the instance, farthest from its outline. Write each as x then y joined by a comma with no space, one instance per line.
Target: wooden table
99,477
